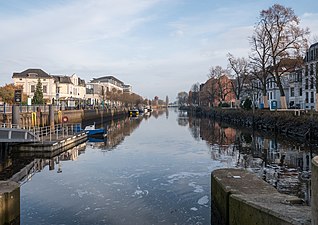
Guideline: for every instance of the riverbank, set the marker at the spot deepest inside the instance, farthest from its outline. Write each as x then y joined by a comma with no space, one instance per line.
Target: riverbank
295,124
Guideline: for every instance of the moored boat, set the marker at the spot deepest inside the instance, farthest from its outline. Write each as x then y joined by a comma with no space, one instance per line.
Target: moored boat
133,112
93,131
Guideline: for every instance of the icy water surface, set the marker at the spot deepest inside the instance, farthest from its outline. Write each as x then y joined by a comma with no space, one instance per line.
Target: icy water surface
157,174
154,169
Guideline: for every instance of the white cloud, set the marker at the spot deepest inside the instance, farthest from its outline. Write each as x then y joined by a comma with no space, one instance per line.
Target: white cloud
156,46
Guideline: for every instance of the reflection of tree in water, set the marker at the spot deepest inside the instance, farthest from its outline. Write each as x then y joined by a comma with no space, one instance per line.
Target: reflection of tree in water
158,112
194,126
215,133
183,118
117,130
280,161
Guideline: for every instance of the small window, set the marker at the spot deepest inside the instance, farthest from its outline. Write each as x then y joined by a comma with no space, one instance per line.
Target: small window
20,79
292,92
44,89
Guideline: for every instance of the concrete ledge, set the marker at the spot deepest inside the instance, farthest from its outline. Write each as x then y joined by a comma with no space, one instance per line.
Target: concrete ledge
52,146
9,202
240,197
266,209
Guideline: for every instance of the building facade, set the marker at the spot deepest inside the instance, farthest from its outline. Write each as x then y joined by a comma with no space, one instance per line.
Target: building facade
57,89
29,78
310,75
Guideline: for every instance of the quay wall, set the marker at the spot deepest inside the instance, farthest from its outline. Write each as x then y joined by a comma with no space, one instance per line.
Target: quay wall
240,197
31,119
293,123
9,202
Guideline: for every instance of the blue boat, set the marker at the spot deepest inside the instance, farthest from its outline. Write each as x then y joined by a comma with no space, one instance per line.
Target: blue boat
92,131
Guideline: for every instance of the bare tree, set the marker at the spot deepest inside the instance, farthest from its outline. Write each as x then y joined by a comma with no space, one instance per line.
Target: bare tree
285,38
260,59
219,87
194,92
240,68
182,98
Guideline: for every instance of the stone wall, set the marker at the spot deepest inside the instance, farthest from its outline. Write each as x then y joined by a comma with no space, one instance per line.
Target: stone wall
240,197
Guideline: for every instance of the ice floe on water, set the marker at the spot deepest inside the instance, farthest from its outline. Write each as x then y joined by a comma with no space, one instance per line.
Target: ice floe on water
204,200
81,193
140,193
197,188
185,175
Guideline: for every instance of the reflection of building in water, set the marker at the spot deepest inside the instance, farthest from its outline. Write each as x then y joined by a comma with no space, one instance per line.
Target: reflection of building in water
9,202
116,132
283,164
16,170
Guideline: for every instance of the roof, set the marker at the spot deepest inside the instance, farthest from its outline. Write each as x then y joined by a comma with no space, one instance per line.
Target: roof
32,73
313,45
106,79
62,79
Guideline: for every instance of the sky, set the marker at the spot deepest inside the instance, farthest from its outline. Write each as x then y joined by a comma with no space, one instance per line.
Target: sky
160,47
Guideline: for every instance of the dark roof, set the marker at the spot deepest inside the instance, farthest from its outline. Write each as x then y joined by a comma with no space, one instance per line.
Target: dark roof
105,79
62,79
314,45
81,82
33,73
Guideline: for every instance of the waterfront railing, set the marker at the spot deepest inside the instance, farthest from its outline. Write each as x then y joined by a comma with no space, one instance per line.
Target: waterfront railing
56,132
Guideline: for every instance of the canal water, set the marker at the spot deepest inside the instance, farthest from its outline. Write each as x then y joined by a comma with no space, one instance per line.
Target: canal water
154,169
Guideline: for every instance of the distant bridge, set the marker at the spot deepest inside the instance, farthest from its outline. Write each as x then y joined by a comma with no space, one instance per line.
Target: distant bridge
16,135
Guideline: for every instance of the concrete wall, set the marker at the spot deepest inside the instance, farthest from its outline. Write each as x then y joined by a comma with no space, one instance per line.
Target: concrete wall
9,202
314,192
240,197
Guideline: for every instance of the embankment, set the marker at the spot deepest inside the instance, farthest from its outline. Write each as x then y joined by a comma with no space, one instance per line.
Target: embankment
292,123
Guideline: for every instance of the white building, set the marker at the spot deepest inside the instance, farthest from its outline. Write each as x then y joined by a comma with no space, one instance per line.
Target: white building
29,78
105,89
56,88
70,90
309,78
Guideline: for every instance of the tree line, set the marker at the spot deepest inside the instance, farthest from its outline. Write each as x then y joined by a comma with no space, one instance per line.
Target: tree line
277,46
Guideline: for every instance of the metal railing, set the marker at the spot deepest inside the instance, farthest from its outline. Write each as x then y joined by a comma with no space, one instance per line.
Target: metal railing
59,131
8,125
25,108
48,133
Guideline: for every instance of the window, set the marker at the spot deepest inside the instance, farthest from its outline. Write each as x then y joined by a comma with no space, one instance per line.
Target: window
312,83
44,89
292,92
306,70
20,79
306,83
307,96
32,88
311,97
270,95
311,69
300,92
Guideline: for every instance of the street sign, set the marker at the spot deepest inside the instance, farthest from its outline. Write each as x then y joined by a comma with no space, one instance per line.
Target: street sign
17,96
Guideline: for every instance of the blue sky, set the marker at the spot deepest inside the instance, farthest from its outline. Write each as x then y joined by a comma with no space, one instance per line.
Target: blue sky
160,47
